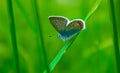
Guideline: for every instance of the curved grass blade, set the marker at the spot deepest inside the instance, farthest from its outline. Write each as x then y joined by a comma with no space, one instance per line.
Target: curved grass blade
60,54
13,34
92,10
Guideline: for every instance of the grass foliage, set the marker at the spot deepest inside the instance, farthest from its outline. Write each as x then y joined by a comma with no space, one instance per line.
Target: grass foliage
29,43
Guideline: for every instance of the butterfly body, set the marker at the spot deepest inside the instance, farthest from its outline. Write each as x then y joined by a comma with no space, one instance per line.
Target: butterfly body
66,28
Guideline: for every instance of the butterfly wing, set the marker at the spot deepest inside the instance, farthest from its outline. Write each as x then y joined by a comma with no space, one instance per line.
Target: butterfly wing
74,27
59,23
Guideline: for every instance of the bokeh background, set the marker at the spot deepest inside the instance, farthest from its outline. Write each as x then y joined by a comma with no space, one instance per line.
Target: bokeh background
92,51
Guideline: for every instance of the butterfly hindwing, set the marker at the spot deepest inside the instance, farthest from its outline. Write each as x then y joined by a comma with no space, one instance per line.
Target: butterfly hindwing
59,22
73,27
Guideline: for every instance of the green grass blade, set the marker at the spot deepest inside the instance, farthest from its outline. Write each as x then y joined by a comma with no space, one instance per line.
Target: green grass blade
116,42
92,10
25,15
60,54
40,34
13,34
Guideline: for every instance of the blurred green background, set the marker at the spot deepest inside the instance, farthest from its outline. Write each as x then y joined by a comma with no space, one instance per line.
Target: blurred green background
92,51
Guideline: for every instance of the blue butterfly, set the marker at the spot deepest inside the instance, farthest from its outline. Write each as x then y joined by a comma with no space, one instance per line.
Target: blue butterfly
67,29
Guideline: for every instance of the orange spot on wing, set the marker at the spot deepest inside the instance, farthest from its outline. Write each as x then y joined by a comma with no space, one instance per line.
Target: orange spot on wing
81,24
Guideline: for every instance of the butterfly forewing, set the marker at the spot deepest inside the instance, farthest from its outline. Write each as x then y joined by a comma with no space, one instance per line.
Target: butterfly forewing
58,22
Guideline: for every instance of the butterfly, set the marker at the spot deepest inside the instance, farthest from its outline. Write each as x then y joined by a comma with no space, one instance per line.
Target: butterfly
66,28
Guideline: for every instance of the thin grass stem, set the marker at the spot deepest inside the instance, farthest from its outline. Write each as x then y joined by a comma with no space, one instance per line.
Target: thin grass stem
94,8
60,54
116,42
25,15
40,34
13,34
